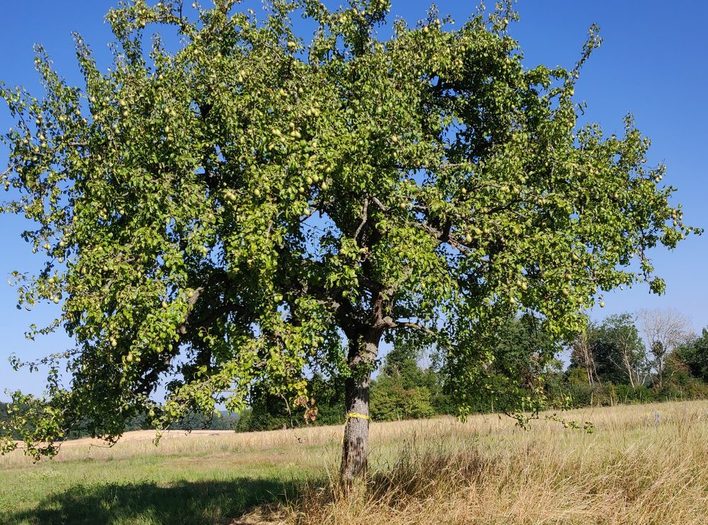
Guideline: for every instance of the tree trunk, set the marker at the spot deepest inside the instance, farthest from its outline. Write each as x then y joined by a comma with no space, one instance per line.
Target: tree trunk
362,355
627,362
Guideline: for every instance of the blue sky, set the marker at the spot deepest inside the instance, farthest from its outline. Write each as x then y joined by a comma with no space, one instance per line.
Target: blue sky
652,64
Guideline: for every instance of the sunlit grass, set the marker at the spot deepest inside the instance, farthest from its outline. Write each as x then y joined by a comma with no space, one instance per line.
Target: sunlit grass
642,464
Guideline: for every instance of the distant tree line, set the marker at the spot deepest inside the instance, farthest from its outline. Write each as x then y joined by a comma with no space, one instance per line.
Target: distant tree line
626,358
652,356
192,421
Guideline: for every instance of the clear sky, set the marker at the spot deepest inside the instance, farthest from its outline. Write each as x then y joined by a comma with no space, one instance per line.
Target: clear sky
652,64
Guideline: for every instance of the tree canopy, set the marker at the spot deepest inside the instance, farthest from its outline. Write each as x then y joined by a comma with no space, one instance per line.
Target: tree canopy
259,205
614,352
694,354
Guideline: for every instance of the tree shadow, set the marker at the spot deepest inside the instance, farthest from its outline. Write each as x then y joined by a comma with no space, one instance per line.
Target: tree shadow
204,502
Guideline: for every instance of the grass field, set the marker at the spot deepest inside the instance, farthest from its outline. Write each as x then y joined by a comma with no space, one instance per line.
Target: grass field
645,464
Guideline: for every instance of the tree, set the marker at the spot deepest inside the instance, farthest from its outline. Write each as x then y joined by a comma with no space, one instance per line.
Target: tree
615,351
694,354
391,400
404,390
664,331
629,355
253,207
582,356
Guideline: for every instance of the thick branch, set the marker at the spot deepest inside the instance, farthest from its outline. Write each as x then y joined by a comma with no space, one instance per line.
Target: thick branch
380,204
364,218
414,326
182,329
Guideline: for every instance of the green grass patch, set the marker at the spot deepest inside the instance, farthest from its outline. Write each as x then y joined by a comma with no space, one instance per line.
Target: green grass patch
145,491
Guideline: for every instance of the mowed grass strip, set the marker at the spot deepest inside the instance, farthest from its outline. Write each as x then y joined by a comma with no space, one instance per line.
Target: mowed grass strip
642,464
136,482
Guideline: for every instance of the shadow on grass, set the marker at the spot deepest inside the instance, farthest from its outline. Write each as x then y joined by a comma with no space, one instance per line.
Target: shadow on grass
203,502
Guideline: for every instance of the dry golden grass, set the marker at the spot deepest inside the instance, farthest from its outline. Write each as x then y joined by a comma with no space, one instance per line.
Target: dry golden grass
643,464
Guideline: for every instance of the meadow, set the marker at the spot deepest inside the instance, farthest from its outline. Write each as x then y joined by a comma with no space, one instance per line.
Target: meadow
640,464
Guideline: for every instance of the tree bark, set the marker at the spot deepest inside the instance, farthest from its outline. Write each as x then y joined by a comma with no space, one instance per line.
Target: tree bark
355,447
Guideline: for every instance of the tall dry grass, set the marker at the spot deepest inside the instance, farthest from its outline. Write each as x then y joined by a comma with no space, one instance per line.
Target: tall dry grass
641,465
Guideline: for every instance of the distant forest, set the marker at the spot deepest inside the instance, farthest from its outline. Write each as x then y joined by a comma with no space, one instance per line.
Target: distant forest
626,358
649,357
